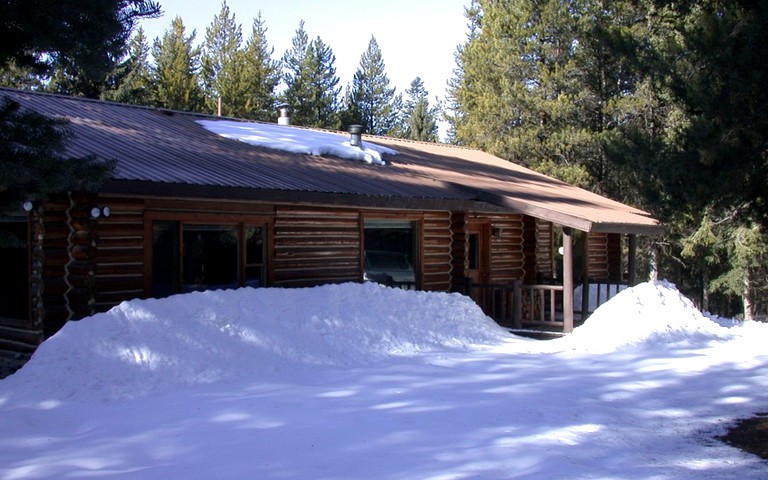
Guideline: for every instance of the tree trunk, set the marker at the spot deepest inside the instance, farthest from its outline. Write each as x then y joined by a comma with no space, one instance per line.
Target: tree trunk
653,272
749,306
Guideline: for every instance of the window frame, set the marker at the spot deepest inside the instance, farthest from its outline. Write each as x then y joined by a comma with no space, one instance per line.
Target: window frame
241,222
417,251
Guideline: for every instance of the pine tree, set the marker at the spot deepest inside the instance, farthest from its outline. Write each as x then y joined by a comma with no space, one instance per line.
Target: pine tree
15,76
517,95
311,82
132,82
371,98
420,119
324,96
223,71
82,37
262,74
33,165
175,73
296,63
75,44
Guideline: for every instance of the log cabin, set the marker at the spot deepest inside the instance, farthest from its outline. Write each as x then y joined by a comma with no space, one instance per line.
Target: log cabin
202,202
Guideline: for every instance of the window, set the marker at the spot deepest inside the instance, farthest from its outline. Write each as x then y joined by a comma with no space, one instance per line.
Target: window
14,282
210,257
390,252
255,267
190,256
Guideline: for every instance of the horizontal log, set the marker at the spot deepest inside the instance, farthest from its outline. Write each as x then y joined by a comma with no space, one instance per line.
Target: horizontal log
106,269
119,255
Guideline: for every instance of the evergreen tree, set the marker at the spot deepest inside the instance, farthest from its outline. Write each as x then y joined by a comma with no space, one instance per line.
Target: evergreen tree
33,165
223,71
39,37
76,44
420,119
311,82
324,96
453,115
517,95
25,78
371,98
262,74
296,64
720,83
175,73
132,82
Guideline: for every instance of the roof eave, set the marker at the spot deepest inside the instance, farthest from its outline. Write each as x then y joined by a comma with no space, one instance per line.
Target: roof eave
567,220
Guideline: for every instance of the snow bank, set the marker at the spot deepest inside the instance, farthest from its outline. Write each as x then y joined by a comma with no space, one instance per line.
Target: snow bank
142,346
145,346
652,313
297,140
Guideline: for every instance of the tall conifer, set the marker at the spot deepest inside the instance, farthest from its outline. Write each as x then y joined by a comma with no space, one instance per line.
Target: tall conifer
311,81
419,117
131,82
222,69
262,74
176,69
371,97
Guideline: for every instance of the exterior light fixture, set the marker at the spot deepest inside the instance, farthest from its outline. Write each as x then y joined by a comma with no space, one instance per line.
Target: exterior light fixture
27,206
97,212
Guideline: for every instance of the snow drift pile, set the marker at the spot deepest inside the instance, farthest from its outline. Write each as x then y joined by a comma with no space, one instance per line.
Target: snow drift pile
652,312
144,346
149,345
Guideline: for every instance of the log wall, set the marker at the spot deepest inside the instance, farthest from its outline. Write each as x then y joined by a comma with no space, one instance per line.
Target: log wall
315,246
120,254
437,255
596,255
458,227
545,249
507,248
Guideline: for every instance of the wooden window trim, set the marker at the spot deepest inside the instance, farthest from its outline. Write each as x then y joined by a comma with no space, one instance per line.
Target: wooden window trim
241,221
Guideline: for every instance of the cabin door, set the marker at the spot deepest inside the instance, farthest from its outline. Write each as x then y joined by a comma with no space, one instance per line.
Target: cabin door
479,261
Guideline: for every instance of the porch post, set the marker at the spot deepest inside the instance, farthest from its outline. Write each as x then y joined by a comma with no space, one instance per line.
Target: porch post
567,280
632,260
585,279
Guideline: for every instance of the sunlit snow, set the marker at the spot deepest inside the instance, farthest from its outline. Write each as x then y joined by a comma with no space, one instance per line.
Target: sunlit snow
360,381
298,140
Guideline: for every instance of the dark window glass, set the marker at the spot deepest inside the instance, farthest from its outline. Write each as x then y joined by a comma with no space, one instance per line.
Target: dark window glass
254,256
14,283
165,259
390,252
210,257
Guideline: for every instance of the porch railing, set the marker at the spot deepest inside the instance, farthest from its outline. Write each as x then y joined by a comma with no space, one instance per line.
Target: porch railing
517,305
538,306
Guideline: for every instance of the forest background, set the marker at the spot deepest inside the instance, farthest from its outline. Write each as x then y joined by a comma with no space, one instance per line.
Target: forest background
659,104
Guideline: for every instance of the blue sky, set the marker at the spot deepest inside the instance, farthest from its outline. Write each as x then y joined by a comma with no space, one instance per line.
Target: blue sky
416,37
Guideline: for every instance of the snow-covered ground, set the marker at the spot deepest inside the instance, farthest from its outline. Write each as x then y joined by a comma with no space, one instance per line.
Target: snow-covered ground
365,382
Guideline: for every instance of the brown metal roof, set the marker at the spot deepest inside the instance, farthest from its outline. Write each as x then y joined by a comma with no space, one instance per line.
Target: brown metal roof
154,146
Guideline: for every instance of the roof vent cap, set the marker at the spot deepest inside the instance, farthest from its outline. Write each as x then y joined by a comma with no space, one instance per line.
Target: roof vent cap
285,114
356,135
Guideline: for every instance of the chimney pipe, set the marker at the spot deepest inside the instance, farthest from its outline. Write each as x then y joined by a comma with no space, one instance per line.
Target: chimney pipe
356,135
285,114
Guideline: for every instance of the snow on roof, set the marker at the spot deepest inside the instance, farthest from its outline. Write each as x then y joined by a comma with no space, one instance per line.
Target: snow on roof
297,140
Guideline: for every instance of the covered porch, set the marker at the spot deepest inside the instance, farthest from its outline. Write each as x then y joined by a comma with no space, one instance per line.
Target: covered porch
564,276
